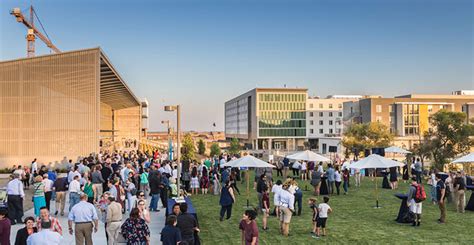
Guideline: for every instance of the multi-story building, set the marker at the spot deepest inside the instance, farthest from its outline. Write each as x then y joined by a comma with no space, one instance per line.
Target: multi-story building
268,118
407,116
63,106
324,125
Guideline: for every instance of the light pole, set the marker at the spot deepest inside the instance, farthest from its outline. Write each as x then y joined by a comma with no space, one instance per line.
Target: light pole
178,147
170,146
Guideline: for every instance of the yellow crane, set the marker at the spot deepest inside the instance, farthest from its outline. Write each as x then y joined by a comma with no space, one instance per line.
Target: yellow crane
33,31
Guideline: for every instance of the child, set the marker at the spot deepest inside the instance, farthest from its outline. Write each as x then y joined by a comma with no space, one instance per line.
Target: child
314,206
265,209
194,183
170,235
323,210
174,188
248,228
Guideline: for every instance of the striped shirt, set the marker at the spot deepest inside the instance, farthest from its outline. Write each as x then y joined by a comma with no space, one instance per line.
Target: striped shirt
55,225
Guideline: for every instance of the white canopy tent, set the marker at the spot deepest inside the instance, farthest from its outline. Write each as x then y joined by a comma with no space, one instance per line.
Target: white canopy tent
376,161
465,159
308,156
396,150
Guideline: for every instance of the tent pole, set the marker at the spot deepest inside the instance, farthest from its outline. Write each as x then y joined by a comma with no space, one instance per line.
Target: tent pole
248,195
376,191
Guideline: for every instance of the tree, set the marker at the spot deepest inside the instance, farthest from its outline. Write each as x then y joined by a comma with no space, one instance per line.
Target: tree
451,136
187,149
215,150
234,147
201,147
422,150
359,137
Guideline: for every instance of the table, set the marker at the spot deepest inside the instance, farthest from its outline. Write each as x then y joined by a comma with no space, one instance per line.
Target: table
404,212
470,204
323,189
385,183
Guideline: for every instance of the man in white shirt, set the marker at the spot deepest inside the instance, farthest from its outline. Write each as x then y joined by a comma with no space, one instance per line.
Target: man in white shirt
48,189
74,189
15,199
34,168
287,208
276,196
44,237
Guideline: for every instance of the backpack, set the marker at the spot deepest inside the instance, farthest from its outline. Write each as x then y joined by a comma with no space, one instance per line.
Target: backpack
420,194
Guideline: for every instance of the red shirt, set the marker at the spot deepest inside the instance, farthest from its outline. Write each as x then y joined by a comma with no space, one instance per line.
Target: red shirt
265,200
250,231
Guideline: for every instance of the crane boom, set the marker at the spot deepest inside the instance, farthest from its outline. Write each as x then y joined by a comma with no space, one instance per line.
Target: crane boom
32,32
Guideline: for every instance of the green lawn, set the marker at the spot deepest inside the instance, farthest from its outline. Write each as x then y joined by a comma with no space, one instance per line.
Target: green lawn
354,220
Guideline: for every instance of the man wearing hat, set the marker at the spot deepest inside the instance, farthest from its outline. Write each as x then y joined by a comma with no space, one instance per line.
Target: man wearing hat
15,199
84,216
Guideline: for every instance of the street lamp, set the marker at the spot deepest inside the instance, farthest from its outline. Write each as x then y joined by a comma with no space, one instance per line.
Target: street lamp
170,146
178,147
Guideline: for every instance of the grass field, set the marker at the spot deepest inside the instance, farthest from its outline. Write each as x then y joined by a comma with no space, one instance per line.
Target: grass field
354,220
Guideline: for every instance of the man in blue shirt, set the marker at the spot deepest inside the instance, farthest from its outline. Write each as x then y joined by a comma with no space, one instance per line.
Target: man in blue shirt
330,174
84,215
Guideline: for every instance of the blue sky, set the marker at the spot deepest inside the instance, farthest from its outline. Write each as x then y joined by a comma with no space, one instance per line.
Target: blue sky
201,53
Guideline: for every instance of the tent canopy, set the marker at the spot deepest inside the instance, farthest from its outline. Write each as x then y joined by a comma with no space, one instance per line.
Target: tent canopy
376,161
248,162
308,156
465,159
396,149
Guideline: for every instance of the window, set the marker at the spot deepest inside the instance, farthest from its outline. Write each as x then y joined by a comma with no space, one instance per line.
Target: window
331,131
311,114
441,107
339,106
311,122
378,108
340,114
330,122
321,122
378,119
390,108
321,114
338,130
430,108
330,114
311,131
321,106
330,106
321,131
310,105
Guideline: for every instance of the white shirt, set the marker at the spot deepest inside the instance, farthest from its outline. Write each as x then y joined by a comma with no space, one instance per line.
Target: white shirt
303,166
296,165
320,169
168,169
44,237
175,173
276,194
48,184
34,167
15,187
287,199
337,176
20,172
74,186
323,210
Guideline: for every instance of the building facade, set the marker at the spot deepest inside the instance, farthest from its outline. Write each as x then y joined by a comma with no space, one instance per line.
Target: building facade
408,116
63,106
268,118
324,124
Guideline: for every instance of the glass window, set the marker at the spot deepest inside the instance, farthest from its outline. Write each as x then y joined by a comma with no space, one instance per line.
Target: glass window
330,122
430,108
311,122
321,114
321,122
311,131
330,114
340,113
330,106
311,114
310,105
339,106
321,131
390,108
331,131
378,119
378,108
321,106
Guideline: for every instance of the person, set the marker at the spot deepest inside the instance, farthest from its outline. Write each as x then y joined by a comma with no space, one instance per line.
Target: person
286,166
314,207
418,170
296,168
60,187
248,227
39,200
323,210
441,194
176,209
204,183
261,188
357,173
5,227
194,182
345,178
15,194
303,167
45,216
144,214
415,207
89,189
215,181
393,178
298,193
113,220
338,180
233,181
84,215
287,201
131,191
170,235
97,182
331,179
44,237
450,187
276,199
187,224
173,188
279,168
154,182
102,205
23,234
144,182
26,177
74,190
227,198
135,230
265,209
459,187
405,172
316,182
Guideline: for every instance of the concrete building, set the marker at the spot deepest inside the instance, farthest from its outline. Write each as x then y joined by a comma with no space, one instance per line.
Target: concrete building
407,116
63,106
268,118
324,125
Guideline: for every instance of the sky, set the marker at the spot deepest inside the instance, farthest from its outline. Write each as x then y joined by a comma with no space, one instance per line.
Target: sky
201,53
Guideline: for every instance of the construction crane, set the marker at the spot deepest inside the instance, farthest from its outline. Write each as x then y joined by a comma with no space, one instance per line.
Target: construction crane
33,31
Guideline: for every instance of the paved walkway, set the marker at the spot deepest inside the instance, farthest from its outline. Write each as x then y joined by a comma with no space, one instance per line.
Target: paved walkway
156,225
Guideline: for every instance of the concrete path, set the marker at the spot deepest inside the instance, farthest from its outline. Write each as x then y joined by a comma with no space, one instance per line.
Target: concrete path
156,225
